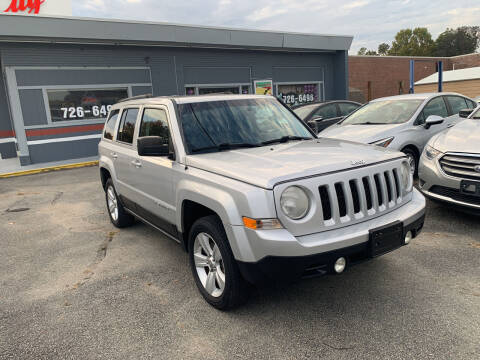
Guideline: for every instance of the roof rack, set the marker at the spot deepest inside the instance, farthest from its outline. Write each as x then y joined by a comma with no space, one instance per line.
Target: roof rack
138,97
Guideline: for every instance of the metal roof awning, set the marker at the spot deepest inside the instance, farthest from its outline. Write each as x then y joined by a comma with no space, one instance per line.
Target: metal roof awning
17,28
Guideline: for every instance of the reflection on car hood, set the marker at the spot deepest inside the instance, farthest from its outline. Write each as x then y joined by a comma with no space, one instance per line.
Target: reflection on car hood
463,137
268,165
362,133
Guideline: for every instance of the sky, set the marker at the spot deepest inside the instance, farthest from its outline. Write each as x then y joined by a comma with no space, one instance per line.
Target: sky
371,22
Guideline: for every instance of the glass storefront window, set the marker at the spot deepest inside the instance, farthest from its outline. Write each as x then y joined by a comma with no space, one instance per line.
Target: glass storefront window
222,90
190,91
68,105
295,94
245,89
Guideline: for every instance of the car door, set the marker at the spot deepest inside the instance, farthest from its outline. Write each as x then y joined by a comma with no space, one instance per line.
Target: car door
153,180
327,115
436,106
125,155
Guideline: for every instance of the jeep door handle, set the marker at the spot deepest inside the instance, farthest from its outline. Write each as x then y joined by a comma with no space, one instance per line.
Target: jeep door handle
137,163
114,155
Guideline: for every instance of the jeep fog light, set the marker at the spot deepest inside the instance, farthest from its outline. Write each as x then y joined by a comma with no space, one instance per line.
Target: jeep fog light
408,237
340,265
294,202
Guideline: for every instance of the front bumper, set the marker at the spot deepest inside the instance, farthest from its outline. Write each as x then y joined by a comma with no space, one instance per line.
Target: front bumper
273,251
437,185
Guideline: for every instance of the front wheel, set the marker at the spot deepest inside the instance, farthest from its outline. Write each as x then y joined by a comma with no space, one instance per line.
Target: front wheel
213,266
412,159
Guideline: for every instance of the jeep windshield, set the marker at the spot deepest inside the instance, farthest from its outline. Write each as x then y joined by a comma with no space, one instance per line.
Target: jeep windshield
231,124
384,112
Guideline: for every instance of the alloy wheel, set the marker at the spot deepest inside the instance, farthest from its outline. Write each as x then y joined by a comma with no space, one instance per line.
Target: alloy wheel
209,264
112,203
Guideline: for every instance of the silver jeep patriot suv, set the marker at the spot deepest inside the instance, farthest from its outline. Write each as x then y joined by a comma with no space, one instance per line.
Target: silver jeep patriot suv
250,192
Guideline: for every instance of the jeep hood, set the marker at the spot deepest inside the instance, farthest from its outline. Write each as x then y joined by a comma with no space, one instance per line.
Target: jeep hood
366,134
268,165
463,137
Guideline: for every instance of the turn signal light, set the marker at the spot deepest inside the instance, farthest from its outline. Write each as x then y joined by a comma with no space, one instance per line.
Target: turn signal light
261,224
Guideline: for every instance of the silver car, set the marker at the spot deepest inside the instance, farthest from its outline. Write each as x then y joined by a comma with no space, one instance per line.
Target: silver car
403,122
450,165
250,192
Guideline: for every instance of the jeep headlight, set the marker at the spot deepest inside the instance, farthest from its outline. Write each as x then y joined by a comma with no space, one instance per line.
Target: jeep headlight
295,202
407,176
431,153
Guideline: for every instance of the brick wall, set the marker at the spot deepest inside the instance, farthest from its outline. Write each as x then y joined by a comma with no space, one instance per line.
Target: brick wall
465,61
388,75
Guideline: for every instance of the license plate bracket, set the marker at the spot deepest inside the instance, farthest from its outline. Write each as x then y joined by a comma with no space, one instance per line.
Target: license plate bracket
386,238
469,187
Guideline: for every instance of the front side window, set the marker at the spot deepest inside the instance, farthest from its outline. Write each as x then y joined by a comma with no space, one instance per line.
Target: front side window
326,112
471,104
384,112
435,107
457,103
110,125
305,110
70,105
127,125
347,108
249,122
155,123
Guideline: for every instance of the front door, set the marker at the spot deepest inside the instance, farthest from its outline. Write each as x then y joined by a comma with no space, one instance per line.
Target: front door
153,182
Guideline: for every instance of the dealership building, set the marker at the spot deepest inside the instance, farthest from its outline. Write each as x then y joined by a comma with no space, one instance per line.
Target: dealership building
60,75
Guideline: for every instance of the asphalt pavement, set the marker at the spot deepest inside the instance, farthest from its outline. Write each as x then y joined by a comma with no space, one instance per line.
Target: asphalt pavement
74,287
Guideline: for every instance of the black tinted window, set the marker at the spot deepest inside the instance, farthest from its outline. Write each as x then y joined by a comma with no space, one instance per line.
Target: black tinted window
154,123
457,103
347,108
327,111
127,125
435,107
110,125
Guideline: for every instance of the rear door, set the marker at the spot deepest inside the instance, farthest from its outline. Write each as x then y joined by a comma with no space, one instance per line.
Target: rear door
153,180
125,155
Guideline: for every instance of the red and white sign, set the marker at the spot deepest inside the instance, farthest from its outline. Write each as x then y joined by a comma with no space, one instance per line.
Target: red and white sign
36,7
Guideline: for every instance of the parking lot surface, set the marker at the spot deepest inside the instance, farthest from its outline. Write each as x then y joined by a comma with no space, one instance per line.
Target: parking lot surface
74,287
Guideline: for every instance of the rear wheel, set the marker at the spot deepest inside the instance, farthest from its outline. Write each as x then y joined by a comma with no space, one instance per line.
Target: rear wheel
213,266
118,216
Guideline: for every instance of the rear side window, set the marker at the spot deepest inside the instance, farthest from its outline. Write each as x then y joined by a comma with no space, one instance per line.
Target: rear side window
347,108
435,107
327,111
127,126
457,103
110,125
154,123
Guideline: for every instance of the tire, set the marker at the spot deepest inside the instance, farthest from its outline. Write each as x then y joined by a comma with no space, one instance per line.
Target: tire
208,278
412,155
118,216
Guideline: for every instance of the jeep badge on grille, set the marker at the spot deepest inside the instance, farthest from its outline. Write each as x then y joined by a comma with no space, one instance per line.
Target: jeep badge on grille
358,162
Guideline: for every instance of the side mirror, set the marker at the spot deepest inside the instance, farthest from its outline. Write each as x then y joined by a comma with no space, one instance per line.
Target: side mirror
152,146
465,113
433,120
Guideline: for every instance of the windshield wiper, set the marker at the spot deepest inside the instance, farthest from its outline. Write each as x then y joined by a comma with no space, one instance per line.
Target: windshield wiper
227,146
285,139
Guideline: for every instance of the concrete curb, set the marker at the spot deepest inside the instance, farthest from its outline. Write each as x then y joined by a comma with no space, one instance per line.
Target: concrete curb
48,169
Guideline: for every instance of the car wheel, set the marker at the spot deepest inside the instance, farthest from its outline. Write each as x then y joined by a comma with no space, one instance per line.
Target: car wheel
213,266
412,159
118,216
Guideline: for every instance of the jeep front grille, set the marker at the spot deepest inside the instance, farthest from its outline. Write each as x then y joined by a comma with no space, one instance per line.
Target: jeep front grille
461,165
353,197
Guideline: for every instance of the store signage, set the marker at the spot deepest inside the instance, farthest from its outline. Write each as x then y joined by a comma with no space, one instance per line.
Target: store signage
22,5
36,7
263,87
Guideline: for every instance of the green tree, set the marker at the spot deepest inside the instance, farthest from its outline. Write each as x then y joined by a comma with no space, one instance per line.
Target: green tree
463,40
416,42
371,52
383,49
362,51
